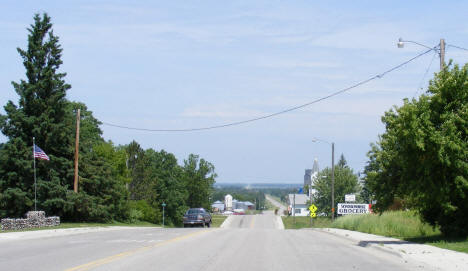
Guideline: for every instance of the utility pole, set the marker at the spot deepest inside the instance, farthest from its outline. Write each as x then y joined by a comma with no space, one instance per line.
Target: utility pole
442,54
333,182
294,208
401,44
77,144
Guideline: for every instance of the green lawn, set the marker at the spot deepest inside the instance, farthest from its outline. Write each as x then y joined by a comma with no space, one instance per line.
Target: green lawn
405,225
217,220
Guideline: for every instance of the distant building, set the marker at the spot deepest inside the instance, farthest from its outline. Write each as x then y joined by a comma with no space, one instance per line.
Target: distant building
308,177
228,202
217,207
297,204
311,177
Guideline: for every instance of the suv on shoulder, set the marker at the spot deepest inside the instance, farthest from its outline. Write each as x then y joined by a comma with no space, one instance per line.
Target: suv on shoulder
197,216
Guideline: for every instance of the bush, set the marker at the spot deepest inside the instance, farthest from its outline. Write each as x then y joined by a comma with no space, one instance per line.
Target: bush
142,210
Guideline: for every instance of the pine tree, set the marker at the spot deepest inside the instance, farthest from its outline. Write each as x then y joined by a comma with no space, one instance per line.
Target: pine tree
41,113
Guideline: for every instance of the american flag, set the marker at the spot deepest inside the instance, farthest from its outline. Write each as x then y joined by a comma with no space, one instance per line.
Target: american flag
38,153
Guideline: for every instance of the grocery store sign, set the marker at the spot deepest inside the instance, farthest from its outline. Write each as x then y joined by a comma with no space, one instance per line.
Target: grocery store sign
353,209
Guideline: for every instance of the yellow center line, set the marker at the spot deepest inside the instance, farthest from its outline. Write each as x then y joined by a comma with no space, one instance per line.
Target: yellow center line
252,223
124,254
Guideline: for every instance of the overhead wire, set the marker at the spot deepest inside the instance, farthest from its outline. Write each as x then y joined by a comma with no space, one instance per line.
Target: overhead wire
425,74
458,47
378,76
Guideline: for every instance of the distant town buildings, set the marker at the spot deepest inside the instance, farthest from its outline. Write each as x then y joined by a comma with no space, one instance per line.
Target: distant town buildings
231,205
228,202
297,204
310,177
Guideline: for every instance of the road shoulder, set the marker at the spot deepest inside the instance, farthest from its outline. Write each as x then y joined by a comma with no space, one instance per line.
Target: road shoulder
28,235
438,258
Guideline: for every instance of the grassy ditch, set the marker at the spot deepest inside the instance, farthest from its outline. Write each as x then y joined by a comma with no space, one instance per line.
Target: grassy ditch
405,225
217,220
399,224
305,222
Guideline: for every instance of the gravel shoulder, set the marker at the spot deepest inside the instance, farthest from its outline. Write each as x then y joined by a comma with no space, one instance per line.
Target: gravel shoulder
437,258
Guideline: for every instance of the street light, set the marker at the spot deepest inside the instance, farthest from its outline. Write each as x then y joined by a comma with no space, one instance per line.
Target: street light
441,51
332,177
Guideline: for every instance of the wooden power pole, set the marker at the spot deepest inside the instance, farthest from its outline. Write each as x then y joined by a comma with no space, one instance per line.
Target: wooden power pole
442,54
77,144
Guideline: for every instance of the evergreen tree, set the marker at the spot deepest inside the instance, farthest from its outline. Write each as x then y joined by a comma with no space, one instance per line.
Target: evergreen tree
44,112
342,162
41,113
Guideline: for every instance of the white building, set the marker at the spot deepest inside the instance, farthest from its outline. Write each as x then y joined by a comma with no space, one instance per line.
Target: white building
297,204
228,202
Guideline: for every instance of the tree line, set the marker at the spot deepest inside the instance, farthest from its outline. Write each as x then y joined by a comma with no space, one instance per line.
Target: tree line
123,183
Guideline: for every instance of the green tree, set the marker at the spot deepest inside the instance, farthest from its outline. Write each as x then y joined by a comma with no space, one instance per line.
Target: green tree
423,154
199,178
44,112
346,182
41,113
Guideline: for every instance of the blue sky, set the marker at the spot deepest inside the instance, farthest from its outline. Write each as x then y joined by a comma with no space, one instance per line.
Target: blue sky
188,64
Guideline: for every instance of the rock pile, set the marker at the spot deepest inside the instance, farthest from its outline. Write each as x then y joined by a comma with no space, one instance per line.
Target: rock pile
34,219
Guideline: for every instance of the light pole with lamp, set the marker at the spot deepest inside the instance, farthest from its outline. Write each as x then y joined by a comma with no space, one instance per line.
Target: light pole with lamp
401,44
332,177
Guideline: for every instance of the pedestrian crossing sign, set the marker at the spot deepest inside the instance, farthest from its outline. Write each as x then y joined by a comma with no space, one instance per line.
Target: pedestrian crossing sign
312,208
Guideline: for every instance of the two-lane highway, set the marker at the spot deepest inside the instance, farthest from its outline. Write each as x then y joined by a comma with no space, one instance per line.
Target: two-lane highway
250,242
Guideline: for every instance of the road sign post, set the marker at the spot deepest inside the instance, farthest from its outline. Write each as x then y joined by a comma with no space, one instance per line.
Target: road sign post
312,209
163,205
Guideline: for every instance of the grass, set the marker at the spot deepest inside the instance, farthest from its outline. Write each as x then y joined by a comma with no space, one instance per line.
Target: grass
405,225
399,224
67,225
304,222
269,205
217,220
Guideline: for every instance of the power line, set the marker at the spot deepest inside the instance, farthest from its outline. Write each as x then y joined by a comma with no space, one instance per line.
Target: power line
378,76
458,47
425,74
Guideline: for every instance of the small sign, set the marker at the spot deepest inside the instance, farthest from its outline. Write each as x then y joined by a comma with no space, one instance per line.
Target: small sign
313,208
350,198
353,209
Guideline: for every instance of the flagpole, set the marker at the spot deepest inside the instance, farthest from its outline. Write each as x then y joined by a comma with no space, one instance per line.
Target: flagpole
35,186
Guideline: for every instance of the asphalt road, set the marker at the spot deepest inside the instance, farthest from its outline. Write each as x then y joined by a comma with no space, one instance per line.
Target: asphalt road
281,207
250,242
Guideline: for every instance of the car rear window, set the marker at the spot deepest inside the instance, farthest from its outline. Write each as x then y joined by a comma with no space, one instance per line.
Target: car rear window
194,211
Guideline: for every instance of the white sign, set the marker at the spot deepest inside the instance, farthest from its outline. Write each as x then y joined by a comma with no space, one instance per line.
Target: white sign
350,198
353,209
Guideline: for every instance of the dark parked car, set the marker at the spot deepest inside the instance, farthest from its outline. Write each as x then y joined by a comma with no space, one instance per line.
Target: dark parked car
197,216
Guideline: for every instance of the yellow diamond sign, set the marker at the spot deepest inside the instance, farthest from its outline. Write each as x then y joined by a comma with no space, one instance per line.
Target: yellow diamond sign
312,214
312,208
